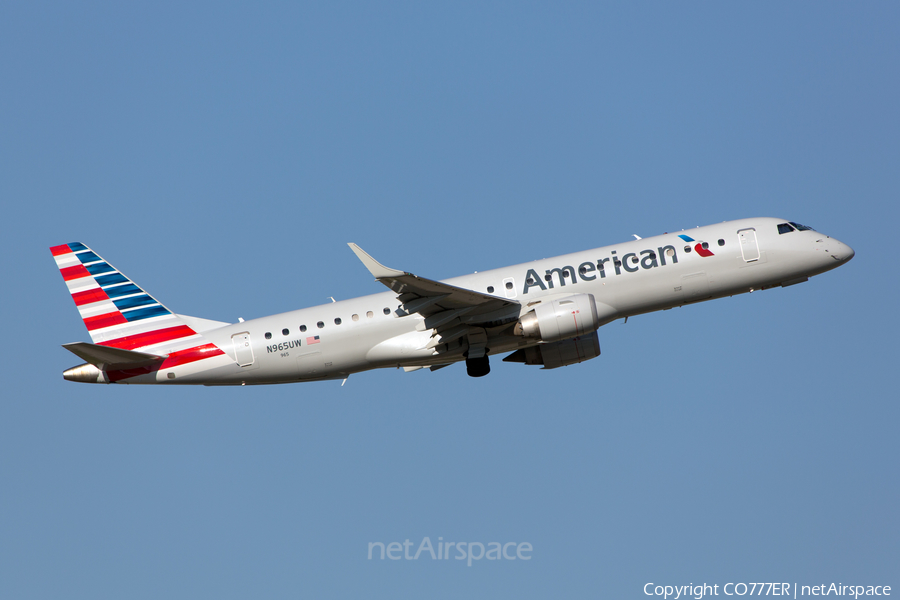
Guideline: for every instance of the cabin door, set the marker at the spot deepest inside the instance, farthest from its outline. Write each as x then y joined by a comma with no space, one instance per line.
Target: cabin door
243,351
749,245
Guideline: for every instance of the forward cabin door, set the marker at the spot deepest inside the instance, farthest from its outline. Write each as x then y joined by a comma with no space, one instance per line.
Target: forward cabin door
749,245
243,351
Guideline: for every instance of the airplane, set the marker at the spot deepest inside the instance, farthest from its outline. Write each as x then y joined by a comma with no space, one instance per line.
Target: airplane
545,312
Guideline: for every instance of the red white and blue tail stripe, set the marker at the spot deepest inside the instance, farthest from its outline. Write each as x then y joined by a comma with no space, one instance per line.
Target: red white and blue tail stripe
120,314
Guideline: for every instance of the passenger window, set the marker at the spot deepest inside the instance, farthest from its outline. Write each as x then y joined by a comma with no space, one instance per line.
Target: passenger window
355,317
370,314
721,242
320,324
337,321
784,228
302,328
387,311
687,248
268,335
490,289
705,245
509,285
284,332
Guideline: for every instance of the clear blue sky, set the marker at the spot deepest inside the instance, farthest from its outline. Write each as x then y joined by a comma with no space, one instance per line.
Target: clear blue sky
222,155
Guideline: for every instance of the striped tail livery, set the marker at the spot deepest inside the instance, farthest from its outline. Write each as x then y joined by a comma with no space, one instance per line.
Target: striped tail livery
135,337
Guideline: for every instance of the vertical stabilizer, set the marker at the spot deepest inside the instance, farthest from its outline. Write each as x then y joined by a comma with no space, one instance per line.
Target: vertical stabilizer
118,313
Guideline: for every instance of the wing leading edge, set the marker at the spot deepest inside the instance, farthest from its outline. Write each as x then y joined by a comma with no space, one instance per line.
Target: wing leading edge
438,302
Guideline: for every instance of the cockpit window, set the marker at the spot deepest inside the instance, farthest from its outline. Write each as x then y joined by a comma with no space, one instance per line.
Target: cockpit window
784,228
802,227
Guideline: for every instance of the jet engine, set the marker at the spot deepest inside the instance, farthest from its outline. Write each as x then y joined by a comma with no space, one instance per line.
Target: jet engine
560,319
559,354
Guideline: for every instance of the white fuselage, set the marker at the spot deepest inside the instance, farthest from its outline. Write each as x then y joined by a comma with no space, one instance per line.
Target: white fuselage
625,279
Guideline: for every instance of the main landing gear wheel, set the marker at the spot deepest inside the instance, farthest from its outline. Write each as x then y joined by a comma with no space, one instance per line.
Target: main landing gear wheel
478,367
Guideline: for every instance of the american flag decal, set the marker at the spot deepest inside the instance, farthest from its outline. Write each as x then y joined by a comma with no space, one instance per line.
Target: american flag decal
312,340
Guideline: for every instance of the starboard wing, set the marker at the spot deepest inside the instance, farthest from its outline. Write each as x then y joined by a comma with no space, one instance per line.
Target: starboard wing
440,303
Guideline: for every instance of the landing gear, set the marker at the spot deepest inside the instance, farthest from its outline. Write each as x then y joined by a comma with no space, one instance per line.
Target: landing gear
478,367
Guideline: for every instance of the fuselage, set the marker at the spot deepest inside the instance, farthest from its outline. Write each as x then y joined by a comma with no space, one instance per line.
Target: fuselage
335,340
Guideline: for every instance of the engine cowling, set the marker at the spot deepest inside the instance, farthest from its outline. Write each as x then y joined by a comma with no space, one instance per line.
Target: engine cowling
559,354
560,319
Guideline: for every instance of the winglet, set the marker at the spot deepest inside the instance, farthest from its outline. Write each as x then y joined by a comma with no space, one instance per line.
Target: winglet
375,268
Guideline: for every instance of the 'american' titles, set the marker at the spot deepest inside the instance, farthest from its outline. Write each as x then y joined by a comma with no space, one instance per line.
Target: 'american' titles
589,271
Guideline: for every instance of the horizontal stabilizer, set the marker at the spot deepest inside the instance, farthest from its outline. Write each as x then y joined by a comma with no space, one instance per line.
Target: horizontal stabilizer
109,358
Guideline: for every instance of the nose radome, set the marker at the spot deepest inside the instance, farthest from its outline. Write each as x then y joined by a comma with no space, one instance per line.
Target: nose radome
850,253
840,250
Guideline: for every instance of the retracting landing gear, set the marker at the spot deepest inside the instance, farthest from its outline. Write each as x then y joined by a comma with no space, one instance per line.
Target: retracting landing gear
477,363
478,367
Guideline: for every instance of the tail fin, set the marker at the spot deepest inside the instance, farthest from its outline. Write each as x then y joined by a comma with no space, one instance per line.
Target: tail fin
116,312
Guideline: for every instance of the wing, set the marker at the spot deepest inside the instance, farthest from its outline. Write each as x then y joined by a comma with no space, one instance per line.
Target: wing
447,309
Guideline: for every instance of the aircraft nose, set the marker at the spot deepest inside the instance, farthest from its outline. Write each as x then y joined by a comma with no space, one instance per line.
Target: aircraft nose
841,251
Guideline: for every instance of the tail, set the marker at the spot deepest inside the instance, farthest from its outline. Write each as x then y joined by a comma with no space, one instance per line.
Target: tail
119,314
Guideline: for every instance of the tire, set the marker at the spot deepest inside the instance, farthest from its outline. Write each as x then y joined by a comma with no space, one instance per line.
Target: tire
478,367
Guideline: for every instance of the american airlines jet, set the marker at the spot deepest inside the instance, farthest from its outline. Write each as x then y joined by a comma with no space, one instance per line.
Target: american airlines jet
545,312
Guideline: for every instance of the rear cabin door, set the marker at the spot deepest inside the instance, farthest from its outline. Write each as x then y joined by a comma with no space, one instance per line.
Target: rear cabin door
749,245
243,351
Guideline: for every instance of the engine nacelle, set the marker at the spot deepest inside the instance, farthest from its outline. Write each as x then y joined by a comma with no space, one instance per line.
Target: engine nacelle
560,319
559,354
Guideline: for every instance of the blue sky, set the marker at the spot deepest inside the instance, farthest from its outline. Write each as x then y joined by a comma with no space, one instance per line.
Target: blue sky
222,156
